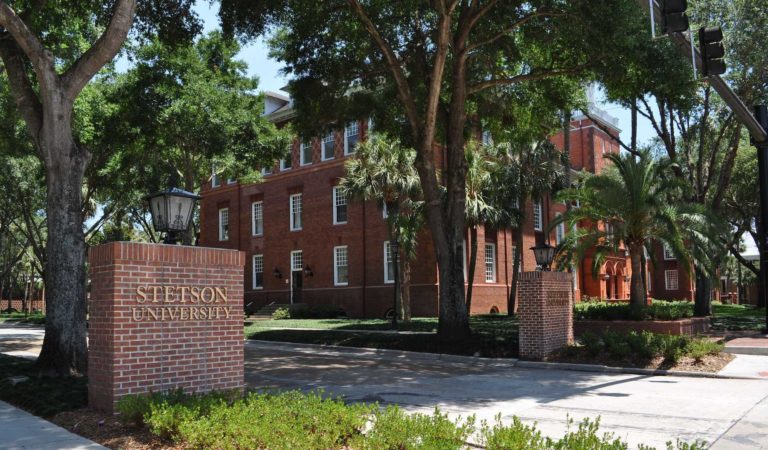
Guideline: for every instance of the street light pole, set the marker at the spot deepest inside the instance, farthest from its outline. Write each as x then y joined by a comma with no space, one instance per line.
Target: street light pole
761,114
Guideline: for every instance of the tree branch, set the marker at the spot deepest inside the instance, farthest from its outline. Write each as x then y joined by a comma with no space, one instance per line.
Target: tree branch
24,95
520,22
102,51
531,76
403,88
41,59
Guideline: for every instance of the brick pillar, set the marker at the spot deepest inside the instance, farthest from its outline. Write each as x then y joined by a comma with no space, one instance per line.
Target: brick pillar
546,313
163,317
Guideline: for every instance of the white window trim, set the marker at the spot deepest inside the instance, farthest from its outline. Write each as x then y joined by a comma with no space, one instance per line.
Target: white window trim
384,212
333,146
493,254
538,212
464,259
347,150
559,232
253,272
291,201
337,192
667,283
253,219
336,281
215,180
387,251
668,257
265,171
223,212
282,164
293,259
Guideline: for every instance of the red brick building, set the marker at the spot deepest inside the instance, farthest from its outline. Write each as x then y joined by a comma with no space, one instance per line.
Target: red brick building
305,243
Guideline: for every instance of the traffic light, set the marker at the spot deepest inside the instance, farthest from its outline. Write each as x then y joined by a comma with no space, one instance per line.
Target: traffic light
712,51
673,17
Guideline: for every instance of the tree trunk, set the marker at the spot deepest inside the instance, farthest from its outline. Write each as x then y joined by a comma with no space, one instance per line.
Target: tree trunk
518,259
472,266
637,288
405,286
64,347
703,305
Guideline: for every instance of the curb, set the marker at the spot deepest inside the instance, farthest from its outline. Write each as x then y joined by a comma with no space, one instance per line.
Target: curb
506,363
746,350
384,354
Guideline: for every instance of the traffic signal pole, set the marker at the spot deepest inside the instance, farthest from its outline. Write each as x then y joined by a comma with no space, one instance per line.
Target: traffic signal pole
757,125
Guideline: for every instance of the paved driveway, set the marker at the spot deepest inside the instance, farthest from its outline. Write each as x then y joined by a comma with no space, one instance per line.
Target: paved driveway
732,414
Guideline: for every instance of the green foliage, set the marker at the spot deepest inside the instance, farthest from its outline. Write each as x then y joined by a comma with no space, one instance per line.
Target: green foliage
657,310
281,314
296,420
318,311
645,346
737,317
393,429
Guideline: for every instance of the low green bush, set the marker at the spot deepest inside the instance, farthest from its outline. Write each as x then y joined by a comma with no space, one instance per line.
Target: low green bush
394,429
296,420
281,314
657,310
646,345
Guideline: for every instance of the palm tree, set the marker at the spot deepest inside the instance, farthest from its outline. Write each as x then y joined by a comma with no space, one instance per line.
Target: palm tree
521,173
383,170
632,203
479,207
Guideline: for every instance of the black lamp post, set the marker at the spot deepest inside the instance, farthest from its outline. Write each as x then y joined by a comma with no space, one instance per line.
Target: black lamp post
395,249
544,254
172,212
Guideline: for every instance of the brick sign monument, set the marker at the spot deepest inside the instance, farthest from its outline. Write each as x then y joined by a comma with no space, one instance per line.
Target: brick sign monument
546,312
163,317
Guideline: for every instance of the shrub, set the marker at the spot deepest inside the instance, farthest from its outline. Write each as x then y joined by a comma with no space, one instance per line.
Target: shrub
592,343
657,310
516,436
281,314
699,348
646,345
303,311
394,429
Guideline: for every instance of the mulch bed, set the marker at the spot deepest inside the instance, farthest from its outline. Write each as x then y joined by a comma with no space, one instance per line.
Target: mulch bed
110,432
708,364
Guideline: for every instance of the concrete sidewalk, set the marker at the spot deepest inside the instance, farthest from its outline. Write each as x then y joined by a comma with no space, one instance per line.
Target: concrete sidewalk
21,430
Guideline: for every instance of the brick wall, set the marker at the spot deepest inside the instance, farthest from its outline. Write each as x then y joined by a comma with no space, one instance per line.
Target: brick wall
546,313
145,337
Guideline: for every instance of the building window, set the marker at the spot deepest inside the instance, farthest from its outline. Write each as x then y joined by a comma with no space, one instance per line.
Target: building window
215,180
516,204
339,206
295,209
224,224
490,263
266,171
648,280
306,154
602,143
389,264
668,255
287,162
328,144
559,232
257,218
231,180
538,216
670,280
486,138
340,266
258,271
384,212
351,136
297,261
609,231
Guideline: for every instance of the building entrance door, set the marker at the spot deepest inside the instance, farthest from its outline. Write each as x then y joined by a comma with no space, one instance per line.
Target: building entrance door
297,275
297,280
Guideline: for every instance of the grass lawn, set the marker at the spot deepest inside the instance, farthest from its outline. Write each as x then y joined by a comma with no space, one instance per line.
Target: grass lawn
34,318
42,396
737,317
492,336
